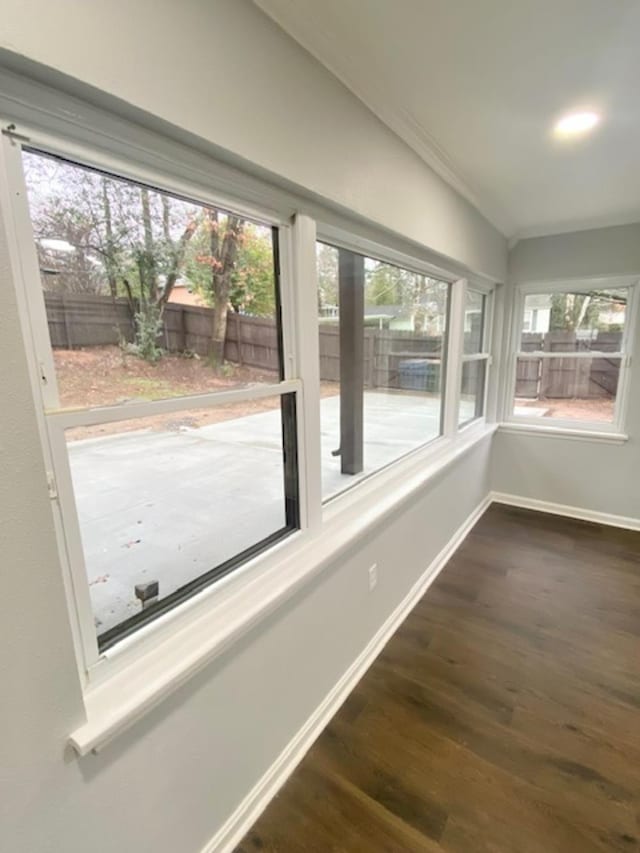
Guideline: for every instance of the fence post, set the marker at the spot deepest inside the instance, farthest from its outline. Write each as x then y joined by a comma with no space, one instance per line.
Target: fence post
369,340
183,327
67,324
382,348
238,338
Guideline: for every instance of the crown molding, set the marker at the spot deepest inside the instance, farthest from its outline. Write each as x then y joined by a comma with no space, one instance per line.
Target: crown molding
317,41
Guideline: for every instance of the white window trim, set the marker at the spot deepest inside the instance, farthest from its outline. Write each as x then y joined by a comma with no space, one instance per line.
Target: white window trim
342,239
141,669
140,682
485,354
566,427
563,432
54,420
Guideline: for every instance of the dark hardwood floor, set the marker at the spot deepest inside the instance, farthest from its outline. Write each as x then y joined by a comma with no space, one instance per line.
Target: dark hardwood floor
503,716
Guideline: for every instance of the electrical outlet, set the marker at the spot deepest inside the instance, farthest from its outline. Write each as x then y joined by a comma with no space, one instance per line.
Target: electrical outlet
373,577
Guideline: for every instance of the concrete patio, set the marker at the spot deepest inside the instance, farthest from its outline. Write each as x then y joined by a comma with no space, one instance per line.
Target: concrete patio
170,505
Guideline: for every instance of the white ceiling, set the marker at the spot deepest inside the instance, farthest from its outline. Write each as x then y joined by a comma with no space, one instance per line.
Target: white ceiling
475,86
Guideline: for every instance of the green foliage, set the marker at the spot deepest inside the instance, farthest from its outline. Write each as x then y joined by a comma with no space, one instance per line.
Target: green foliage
196,271
124,239
573,311
327,269
253,282
418,297
389,285
148,324
252,278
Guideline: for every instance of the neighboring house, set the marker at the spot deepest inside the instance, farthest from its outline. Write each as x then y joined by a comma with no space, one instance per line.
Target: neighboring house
183,294
395,318
472,317
537,315
329,312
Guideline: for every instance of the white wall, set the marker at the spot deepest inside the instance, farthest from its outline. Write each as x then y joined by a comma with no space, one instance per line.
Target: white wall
599,251
225,72
170,782
585,474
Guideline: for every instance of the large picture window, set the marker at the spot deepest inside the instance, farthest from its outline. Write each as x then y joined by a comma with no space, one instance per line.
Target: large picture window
171,423
571,353
383,344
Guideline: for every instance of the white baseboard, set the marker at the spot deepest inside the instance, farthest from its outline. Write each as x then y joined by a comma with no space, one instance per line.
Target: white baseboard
568,511
250,809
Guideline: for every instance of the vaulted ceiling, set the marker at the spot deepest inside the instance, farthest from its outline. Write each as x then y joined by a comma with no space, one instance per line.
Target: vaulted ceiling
475,87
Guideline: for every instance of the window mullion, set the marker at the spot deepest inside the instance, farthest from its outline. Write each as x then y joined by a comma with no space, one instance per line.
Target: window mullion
570,354
505,347
630,331
68,418
478,356
455,338
307,360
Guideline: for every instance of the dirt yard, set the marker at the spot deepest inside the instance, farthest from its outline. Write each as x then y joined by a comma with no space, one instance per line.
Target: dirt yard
107,375
597,410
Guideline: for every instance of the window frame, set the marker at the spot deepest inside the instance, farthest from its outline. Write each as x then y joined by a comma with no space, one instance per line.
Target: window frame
485,352
565,425
340,239
54,420
140,670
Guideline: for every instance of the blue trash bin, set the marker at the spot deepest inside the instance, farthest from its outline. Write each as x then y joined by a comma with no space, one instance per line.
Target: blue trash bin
419,374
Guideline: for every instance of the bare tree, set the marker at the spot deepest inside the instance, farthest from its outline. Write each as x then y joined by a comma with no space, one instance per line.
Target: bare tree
153,257
223,254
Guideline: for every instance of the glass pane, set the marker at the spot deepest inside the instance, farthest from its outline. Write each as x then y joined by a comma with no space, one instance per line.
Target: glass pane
147,295
581,389
474,322
385,398
574,322
472,391
169,498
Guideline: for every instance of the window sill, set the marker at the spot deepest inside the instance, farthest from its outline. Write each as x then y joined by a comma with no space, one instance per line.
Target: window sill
570,433
153,671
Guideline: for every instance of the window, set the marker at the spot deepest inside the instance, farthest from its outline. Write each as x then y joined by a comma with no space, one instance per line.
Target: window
383,343
571,354
162,351
171,423
475,358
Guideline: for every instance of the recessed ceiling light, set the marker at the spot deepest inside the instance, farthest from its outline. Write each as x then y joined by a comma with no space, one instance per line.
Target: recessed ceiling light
575,124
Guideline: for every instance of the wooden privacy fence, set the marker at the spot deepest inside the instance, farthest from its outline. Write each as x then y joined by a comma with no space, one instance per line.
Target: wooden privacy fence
568,378
81,320
386,354
84,320
250,340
